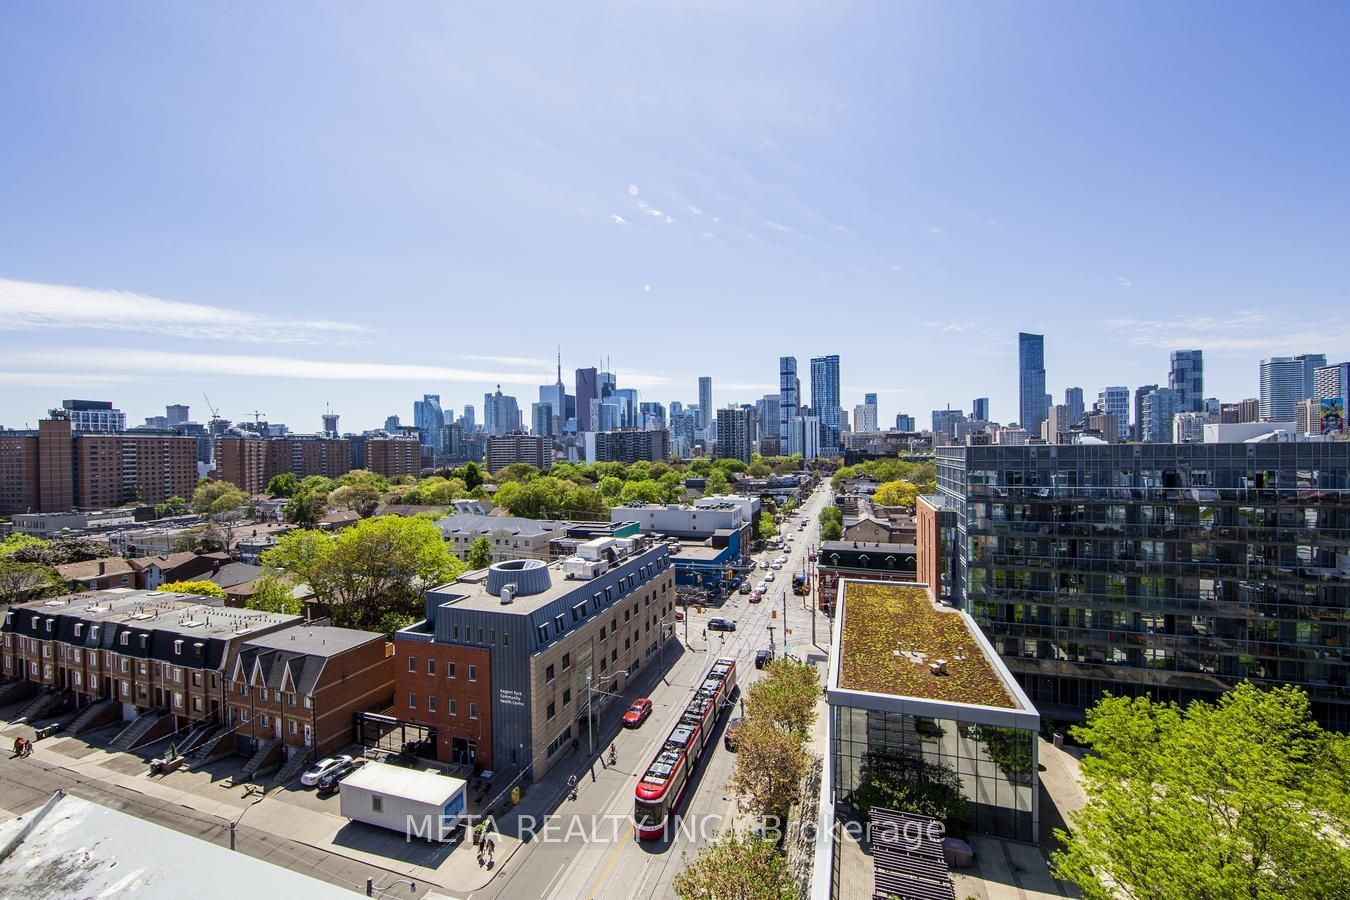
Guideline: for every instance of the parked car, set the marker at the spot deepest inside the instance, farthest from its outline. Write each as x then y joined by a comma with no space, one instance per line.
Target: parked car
717,623
322,768
637,713
745,587
756,597
762,586
679,615
729,736
770,576
762,658
328,784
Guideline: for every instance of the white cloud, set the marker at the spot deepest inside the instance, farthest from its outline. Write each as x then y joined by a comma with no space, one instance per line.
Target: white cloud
512,360
646,287
1252,332
696,211
618,219
1125,282
66,379
30,306
159,363
632,190
934,230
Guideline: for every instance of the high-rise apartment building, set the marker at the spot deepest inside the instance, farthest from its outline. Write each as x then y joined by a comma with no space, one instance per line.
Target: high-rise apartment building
733,433
979,409
1331,382
1167,569
1187,378
588,396
1115,401
429,417
1156,410
177,414
705,400
904,422
541,419
393,457
804,437
91,415
825,401
944,423
1139,394
631,446
1073,401
1033,404
58,469
789,396
1285,380
506,449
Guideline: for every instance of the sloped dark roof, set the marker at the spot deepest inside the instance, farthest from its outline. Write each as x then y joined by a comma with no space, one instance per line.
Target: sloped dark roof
303,651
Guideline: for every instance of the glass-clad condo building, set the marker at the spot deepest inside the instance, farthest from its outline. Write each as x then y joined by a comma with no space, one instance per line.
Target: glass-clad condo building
1174,570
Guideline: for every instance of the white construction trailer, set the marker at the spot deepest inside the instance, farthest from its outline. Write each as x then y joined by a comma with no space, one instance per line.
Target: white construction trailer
418,804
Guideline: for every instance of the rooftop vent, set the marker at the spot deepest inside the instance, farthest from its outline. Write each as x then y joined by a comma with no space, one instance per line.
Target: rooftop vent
508,593
528,576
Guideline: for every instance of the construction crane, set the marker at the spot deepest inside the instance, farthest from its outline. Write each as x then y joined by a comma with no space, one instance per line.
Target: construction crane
257,416
214,414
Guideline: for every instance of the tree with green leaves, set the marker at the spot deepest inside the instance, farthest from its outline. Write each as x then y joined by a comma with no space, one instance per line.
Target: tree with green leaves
764,526
786,697
831,523
770,765
213,497
360,497
611,487
174,506
282,485
517,471
717,483
1244,797
896,493
647,491
23,581
379,567
480,553
471,474
737,865
11,545
298,553
272,594
306,508
200,588
363,476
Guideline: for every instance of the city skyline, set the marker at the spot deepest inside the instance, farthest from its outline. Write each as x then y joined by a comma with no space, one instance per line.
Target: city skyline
229,234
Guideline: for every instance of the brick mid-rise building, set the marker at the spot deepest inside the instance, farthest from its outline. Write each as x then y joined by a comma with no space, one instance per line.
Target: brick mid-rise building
56,469
249,463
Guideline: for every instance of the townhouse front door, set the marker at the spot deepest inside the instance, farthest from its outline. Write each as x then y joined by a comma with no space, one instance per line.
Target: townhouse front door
309,735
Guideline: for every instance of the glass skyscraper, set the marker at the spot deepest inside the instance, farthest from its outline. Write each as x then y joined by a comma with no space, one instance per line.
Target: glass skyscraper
706,414
1187,378
789,397
825,401
1286,380
1033,406
428,416
1115,401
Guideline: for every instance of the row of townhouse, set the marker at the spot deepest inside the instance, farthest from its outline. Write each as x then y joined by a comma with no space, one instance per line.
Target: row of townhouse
198,662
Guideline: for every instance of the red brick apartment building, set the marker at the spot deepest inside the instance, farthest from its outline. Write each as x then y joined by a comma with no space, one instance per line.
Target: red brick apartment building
300,686
250,462
55,469
394,456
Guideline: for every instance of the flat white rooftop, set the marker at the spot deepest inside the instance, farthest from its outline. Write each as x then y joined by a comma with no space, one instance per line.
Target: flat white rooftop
396,781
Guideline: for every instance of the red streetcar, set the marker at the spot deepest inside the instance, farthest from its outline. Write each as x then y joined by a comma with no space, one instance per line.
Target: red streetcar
663,785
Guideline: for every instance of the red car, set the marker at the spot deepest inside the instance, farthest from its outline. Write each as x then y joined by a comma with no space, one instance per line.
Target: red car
637,713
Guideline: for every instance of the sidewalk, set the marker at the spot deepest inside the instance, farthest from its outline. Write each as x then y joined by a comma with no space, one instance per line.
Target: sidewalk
452,867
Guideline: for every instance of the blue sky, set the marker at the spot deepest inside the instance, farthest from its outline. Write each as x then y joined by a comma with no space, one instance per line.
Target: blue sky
287,205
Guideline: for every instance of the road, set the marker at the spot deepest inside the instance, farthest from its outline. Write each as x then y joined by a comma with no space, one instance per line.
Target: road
589,851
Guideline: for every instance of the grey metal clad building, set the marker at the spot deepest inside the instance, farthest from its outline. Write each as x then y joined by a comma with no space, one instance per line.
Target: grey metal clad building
1285,380
1172,569
545,632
